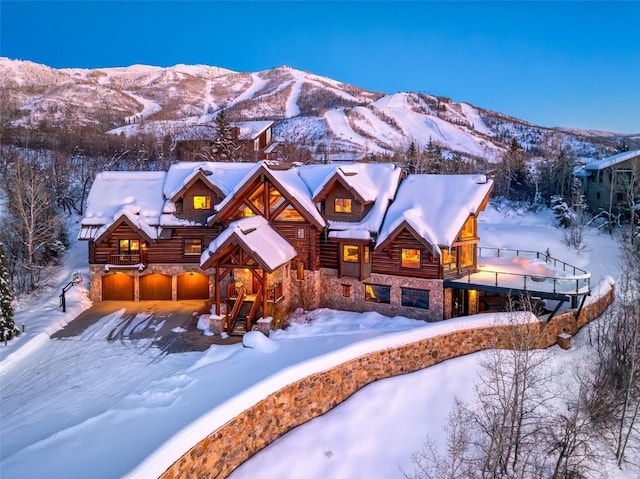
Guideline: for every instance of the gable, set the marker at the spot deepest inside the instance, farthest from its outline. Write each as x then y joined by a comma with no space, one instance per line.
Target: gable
123,225
198,184
265,194
406,232
337,185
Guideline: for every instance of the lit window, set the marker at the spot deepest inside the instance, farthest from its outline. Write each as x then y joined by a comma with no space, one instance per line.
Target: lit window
449,257
342,205
201,202
410,258
126,246
466,255
192,246
366,254
415,298
376,293
350,253
468,229
289,214
346,290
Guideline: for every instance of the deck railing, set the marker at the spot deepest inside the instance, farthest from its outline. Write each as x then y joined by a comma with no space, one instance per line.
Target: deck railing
531,282
578,282
510,253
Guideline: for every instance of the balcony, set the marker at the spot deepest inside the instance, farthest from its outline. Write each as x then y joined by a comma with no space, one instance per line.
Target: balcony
126,261
524,271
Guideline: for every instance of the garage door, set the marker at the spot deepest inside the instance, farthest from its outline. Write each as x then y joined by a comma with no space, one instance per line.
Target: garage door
155,286
117,287
193,286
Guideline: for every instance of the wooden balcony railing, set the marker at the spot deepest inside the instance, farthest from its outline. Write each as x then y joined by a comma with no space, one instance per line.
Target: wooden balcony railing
127,259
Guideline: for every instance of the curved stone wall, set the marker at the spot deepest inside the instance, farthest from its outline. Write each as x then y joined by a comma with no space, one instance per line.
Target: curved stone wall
217,455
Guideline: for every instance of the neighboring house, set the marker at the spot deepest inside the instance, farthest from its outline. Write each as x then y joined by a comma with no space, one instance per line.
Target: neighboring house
609,184
260,239
254,140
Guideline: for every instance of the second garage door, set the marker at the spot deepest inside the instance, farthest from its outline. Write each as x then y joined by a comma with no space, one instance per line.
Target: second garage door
155,286
193,286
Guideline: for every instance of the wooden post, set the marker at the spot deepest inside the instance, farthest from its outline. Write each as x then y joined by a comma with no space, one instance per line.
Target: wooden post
264,294
217,291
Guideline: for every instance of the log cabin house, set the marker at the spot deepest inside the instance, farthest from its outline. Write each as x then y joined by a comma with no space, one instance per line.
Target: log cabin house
260,239
254,140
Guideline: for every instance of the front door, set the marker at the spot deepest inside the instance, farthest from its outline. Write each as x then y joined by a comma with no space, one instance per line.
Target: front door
460,303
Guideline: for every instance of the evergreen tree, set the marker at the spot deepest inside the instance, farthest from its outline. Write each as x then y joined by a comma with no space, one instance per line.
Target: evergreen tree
412,159
512,175
433,158
225,144
7,325
622,146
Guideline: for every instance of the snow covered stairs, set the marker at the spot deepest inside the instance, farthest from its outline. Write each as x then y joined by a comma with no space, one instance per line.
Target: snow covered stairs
240,323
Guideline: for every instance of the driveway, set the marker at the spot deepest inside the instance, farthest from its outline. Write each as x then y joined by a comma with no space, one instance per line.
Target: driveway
170,324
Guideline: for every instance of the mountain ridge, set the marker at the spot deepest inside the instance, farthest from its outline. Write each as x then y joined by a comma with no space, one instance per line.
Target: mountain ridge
318,112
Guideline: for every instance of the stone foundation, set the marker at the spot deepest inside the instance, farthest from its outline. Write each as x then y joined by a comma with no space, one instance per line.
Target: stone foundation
217,455
333,290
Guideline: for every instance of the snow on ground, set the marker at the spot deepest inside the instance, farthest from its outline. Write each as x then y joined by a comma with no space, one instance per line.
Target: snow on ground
339,125
87,407
292,108
149,107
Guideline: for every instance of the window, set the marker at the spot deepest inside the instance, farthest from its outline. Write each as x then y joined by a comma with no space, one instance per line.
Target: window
192,246
466,255
410,258
342,205
618,196
202,202
415,298
350,253
366,254
346,290
129,246
289,214
598,195
377,293
468,229
300,233
449,257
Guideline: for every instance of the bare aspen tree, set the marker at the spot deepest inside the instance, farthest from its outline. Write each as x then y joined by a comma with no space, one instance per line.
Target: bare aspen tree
31,214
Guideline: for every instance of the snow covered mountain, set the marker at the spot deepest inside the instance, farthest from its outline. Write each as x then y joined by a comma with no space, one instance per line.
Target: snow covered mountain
318,112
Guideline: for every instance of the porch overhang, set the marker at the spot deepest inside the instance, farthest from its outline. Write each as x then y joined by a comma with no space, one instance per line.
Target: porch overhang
254,236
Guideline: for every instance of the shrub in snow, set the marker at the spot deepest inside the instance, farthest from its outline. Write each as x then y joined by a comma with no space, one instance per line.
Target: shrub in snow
258,341
299,316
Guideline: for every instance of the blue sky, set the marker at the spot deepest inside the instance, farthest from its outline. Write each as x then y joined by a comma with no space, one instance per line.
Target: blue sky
552,63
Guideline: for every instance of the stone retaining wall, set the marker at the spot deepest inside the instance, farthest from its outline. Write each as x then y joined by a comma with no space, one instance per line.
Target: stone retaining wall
217,455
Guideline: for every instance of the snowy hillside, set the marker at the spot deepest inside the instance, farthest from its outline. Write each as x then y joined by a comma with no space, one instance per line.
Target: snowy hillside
318,112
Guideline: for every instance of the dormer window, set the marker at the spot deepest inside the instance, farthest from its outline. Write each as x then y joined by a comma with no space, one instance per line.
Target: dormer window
202,202
342,205
410,258
350,253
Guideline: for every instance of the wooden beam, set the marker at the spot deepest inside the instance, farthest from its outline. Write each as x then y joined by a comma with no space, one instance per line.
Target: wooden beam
264,293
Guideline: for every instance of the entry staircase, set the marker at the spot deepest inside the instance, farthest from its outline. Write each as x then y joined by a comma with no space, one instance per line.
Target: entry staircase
243,313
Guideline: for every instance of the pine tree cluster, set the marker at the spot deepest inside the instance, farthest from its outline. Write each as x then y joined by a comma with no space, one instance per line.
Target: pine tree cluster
7,324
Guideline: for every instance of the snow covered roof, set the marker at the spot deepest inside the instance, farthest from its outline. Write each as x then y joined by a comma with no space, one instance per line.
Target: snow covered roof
250,130
288,183
258,238
612,160
114,194
223,176
374,182
435,206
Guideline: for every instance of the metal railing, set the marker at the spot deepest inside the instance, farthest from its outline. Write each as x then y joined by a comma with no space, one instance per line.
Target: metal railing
510,253
578,282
